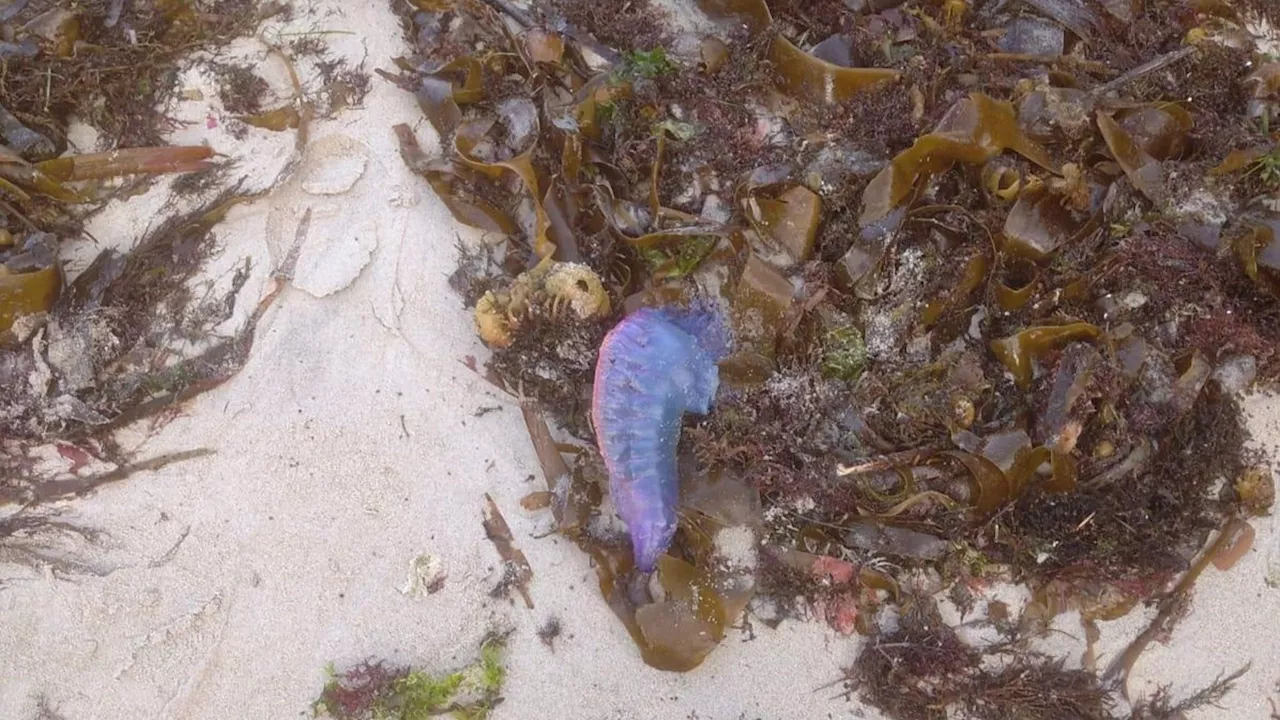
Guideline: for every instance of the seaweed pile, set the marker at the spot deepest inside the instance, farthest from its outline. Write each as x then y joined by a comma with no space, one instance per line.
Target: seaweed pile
129,337
998,274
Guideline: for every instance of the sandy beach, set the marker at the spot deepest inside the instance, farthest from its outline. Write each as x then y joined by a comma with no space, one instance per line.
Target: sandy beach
355,442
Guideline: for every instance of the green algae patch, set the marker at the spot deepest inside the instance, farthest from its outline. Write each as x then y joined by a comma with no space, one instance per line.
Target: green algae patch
376,690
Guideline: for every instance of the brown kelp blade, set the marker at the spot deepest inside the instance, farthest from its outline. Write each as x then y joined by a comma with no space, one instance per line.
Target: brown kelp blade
514,114
27,293
813,80
128,161
1143,171
466,206
975,130
754,14
1018,351
499,533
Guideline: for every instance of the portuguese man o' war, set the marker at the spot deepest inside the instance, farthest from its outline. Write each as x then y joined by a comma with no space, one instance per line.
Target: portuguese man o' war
654,366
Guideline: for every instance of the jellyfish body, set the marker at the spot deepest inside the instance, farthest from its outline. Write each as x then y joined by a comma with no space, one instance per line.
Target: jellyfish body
654,366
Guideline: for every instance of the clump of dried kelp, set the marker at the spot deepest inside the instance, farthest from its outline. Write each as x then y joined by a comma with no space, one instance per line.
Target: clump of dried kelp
128,338
997,276
109,63
923,670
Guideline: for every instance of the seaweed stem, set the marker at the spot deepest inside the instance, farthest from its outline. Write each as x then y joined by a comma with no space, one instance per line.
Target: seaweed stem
1119,669
1083,64
1145,68
888,462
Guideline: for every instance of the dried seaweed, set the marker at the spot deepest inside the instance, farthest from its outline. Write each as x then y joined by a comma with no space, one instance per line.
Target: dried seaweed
923,671
516,571
977,325
119,86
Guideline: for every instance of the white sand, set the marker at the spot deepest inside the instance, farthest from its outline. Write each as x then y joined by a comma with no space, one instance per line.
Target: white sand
300,531
348,446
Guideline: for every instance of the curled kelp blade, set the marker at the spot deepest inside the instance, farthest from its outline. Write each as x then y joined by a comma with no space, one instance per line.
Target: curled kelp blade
975,130
1016,282
1257,247
675,633
630,220
1040,223
814,80
451,186
753,14
1162,130
811,77
761,300
519,118
1143,171
1017,352
993,124
441,94
1194,370
991,488
30,277
27,293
